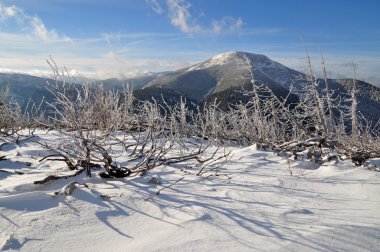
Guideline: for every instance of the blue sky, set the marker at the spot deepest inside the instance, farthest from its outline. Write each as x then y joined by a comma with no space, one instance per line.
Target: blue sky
116,38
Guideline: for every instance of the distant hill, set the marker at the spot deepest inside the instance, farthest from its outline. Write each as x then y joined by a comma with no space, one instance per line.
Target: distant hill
133,83
23,87
163,97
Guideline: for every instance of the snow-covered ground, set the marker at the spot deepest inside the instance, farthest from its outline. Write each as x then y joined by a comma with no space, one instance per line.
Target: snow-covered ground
252,203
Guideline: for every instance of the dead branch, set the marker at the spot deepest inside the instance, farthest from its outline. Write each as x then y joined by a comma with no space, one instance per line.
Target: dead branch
65,159
213,160
54,177
168,186
12,172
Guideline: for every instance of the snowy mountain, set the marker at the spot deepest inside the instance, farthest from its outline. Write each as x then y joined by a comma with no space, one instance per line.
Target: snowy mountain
227,70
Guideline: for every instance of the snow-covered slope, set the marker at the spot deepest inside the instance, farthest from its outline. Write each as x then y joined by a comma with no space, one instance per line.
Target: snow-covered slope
251,203
220,60
227,70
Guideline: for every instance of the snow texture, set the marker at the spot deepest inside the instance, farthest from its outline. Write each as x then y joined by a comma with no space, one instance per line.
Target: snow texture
251,204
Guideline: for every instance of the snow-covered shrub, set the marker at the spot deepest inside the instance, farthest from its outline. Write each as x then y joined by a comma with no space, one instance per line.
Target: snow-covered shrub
11,119
98,121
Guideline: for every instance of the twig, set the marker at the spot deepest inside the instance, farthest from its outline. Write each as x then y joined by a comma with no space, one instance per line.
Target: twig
12,172
165,187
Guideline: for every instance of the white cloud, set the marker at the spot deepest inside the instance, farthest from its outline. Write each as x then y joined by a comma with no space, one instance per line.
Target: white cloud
180,16
132,55
116,58
156,7
40,31
142,65
229,24
338,66
8,12
110,37
32,24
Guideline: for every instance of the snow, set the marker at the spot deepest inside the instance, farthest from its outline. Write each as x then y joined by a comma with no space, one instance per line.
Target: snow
252,203
271,69
218,60
221,59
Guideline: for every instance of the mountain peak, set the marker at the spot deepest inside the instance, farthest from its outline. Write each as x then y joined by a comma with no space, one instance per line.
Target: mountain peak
223,58
232,58
236,55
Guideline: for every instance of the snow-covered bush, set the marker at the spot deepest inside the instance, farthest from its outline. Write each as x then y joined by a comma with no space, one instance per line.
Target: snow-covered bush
98,121
11,116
